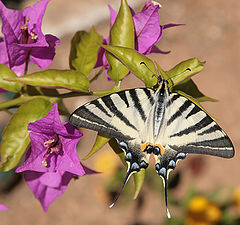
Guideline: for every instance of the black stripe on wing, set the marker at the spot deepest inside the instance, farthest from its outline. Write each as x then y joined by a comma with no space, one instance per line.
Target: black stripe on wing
122,95
137,104
221,147
210,130
195,110
99,106
111,106
220,142
83,117
172,99
178,113
149,95
205,121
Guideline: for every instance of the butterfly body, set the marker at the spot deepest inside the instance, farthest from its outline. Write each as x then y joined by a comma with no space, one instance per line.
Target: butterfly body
146,121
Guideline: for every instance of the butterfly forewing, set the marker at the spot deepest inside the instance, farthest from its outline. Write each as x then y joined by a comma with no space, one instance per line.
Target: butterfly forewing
120,115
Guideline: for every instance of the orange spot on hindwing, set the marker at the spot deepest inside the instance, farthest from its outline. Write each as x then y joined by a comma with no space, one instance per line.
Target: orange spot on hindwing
162,149
144,146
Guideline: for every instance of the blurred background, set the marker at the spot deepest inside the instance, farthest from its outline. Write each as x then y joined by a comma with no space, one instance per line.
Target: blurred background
211,34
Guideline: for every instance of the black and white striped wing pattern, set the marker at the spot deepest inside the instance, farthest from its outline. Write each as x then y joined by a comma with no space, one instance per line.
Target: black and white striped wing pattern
120,115
145,122
193,131
186,128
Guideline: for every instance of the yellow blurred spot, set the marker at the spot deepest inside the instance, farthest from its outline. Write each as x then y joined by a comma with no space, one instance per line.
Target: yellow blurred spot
106,162
44,163
236,199
202,212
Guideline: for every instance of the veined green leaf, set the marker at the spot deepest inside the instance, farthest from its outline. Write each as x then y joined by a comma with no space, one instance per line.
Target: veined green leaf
139,64
185,70
84,49
99,142
69,79
5,72
121,34
15,137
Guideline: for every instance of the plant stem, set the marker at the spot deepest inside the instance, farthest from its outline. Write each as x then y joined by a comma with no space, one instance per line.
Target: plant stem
27,61
96,75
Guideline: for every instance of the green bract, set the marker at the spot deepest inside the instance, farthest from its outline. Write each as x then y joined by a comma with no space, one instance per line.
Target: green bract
5,72
69,79
84,49
184,70
121,34
191,89
15,137
139,180
139,64
99,142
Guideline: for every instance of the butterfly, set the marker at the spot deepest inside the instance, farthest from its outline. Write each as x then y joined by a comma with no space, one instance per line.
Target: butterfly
147,121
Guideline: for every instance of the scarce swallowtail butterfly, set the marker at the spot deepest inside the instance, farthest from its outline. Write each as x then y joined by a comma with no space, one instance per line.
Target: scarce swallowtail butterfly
145,121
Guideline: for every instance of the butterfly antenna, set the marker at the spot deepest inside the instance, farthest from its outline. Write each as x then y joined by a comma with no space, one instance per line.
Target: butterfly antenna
124,183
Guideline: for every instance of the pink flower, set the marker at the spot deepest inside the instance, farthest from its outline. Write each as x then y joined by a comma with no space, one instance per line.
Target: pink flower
24,39
148,32
52,160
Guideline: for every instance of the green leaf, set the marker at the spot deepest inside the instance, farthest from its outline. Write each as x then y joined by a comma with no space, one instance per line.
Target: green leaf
84,50
184,70
139,64
99,142
5,72
138,179
15,137
121,34
24,98
106,92
69,79
190,88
